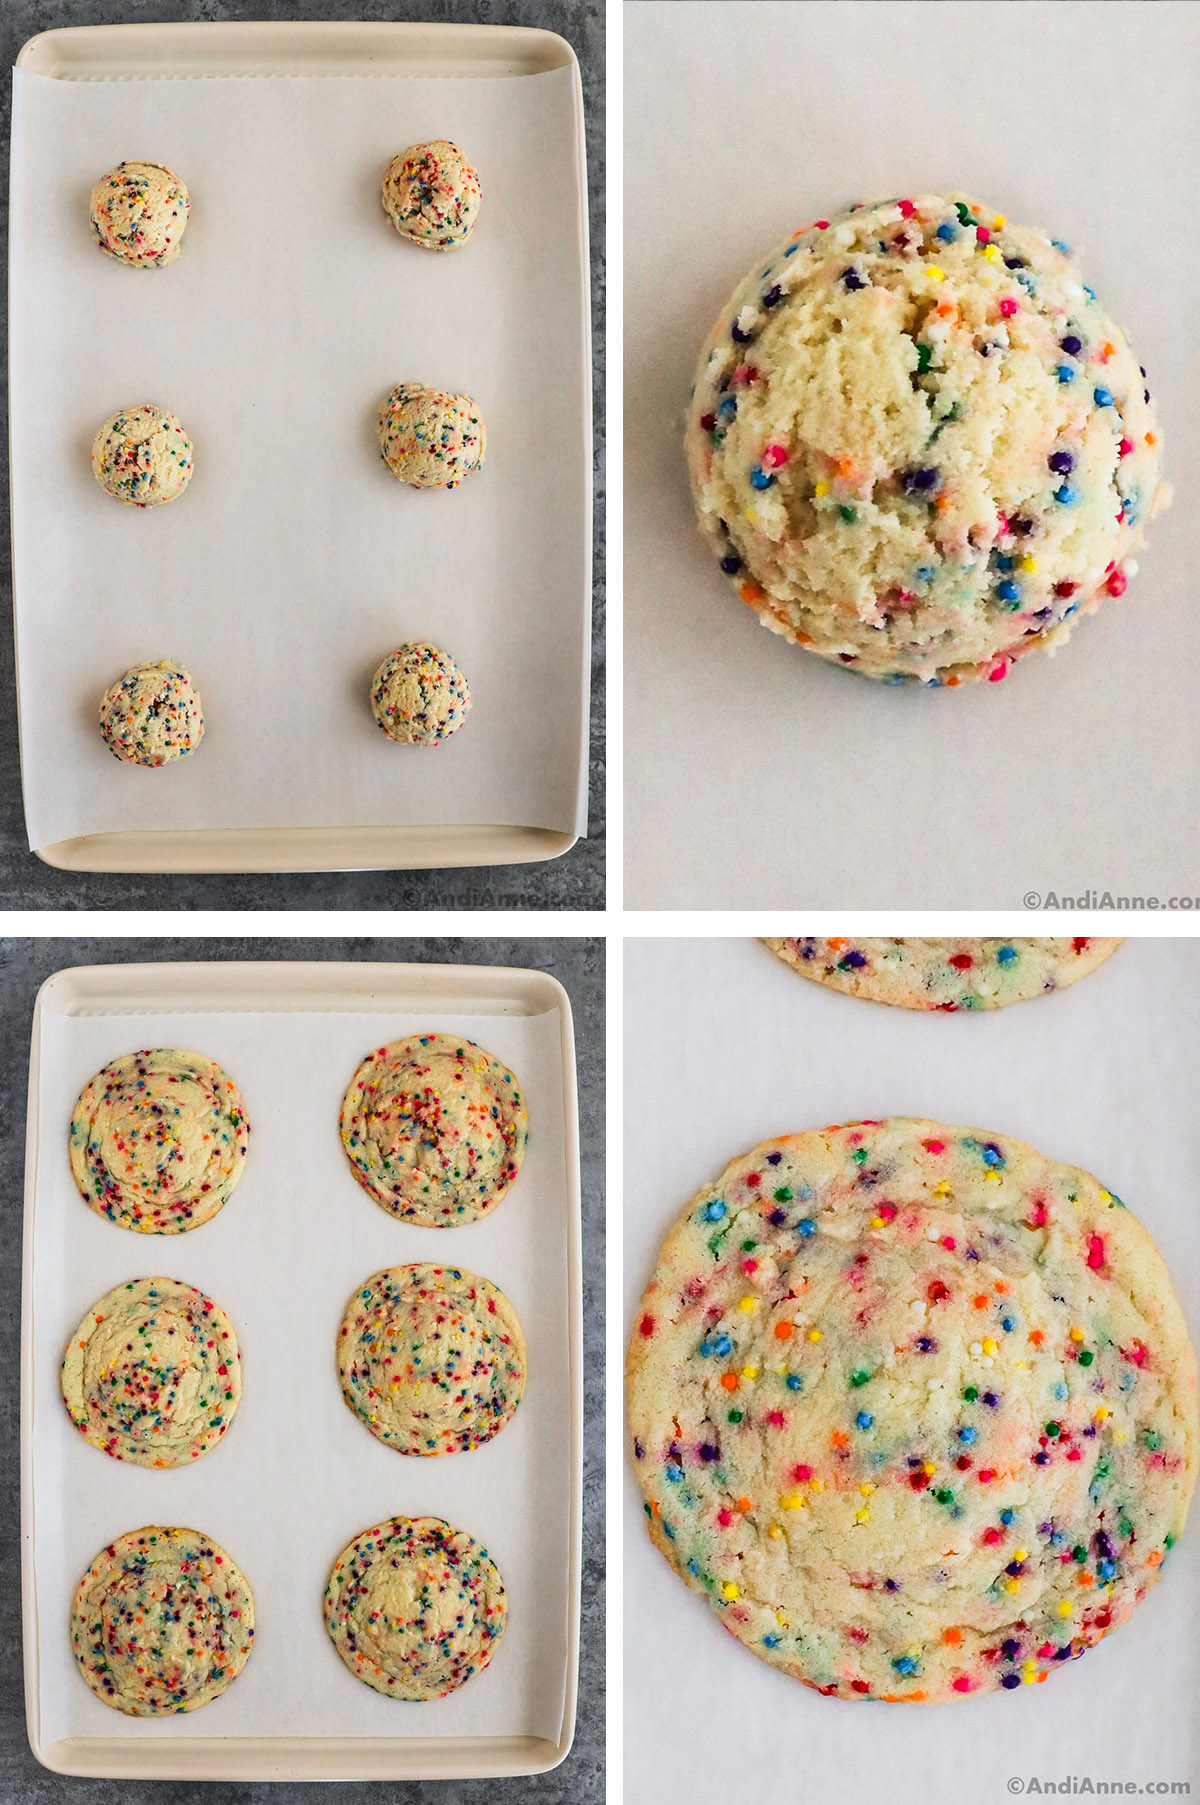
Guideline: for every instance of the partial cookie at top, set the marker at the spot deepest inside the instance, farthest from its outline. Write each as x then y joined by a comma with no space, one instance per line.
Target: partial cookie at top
142,456
915,973
913,1408
138,213
419,696
152,1375
158,1140
415,1607
431,194
430,439
431,1358
162,1622
435,1129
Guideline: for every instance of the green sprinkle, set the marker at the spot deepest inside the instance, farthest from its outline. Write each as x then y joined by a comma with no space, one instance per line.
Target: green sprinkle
783,1194
1086,1358
859,1378
735,1416
848,513
971,1393
924,358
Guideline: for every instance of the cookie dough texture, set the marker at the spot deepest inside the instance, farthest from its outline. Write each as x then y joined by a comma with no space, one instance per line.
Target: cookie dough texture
946,974
142,456
419,696
158,1140
431,1358
431,195
139,212
152,1374
162,1622
435,1129
919,445
428,439
415,1607
913,1409
152,715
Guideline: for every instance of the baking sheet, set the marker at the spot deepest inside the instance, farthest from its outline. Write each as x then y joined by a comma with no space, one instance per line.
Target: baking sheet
297,1475
724,1047
295,561
828,791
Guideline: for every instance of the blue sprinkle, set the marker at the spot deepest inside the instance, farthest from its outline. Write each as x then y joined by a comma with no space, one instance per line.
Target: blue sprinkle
794,1381
864,1420
807,1227
1059,1390
770,1641
727,405
1008,591
674,1474
947,232
1006,955
1089,292
1106,1569
1102,397
1008,1325
967,1434
1004,562
1065,373
668,1532
723,1344
1006,1516
760,478
714,1211
1060,246
992,1155
694,1567
1066,495
904,1664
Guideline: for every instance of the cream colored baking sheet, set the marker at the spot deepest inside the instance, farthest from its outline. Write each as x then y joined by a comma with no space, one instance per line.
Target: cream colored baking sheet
297,1475
1101,1075
294,561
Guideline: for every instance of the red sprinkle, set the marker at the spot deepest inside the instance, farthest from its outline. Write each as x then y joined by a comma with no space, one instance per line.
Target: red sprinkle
1116,583
647,1326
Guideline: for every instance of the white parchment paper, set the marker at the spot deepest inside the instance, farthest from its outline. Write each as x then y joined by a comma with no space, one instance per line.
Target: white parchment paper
725,1047
296,1475
759,776
294,562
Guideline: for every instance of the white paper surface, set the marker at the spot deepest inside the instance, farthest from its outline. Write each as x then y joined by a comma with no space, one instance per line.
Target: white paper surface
724,1047
757,775
294,561
296,1475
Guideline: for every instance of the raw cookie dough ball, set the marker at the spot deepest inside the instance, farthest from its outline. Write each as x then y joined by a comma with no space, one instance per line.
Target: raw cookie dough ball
139,212
429,439
431,195
142,456
152,715
419,695
919,445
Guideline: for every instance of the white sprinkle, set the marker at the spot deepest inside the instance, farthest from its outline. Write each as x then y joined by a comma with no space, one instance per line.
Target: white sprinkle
1130,567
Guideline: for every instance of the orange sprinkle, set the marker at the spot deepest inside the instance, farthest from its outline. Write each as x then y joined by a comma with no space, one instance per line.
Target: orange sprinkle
1002,1286
952,1637
729,1381
837,945
783,1331
839,1438
1106,350
751,593
1150,439
1037,1337
744,1503
981,1303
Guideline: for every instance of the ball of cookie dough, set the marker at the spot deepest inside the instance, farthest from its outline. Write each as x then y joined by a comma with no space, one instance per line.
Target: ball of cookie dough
142,456
919,445
431,195
139,212
429,439
419,695
152,715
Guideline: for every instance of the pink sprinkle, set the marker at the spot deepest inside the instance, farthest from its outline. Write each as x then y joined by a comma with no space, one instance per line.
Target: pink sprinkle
724,1518
1008,307
821,224
1095,1256
949,1242
1125,447
982,234
934,1146
1136,1354
907,209
1000,671
964,1683
1002,526
774,457
749,1267
1074,1454
775,1418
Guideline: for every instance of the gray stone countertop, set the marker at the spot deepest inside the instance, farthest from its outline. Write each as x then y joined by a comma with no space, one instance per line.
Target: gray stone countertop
578,964
575,881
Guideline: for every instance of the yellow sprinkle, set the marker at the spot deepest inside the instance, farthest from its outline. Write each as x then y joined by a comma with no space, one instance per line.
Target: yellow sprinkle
1118,1435
1028,564
929,1467
1065,1608
914,1651
729,1590
876,1221
781,1620
747,1304
989,1346
1020,1554
751,516
814,1334
1076,1334
1030,1677
991,252
816,1485
1101,1412
1010,1585
820,489
992,1177
998,222
749,1372
775,1532
942,1190
934,273
863,1515
791,1501
866,1488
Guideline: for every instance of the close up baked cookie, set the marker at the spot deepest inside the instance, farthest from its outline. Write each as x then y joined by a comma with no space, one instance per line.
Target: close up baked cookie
913,1408
431,1358
914,973
163,1622
158,1140
415,1607
142,456
152,1375
139,212
431,195
434,1128
918,444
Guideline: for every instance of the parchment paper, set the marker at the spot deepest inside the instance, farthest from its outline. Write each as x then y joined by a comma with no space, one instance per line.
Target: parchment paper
724,1047
759,776
296,1475
294,562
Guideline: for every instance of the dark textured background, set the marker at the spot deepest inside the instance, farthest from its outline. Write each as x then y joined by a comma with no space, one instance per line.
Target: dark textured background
579,965
576,881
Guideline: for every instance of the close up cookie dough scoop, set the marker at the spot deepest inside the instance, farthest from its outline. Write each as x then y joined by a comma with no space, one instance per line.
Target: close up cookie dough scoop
913,1409
419,696
431,194
919,445
152,715
142,456
152,1375
914,973
428,439
139,212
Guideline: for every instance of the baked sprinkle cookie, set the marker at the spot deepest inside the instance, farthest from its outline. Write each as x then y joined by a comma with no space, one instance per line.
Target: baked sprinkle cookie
152,1374
946,974
162,1622
435,1129
158,1140
431,1358
913,1407
415,1607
